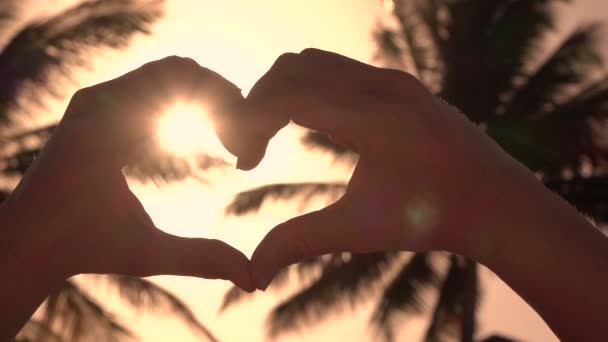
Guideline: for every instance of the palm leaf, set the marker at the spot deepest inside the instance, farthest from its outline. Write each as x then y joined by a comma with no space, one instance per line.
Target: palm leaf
342,281
144,295
570,64
409,48
71,313
515,40
466,82
321,141
454,312
410,29
152,163
429,11
390,52
539,143
252,200
589,195
402,295
57,43
35,331
305,270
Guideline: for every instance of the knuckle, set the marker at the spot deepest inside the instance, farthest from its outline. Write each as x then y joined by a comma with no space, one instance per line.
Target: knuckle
174,61
404,82
312,52
286,60
401,76
82,96
217,245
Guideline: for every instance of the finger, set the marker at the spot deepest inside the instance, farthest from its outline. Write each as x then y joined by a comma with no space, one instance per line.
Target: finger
348,116
345,72
316,78
196,257
127,107
330,230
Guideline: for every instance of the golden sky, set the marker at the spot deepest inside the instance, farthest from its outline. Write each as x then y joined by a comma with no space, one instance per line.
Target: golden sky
240,40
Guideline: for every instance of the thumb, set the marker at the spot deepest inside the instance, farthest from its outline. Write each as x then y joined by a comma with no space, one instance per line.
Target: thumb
166,254
247,135
329,230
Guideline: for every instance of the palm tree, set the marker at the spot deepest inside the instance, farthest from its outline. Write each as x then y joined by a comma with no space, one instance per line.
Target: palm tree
545,107
36,56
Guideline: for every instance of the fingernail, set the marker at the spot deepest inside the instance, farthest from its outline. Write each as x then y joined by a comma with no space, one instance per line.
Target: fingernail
263,288
265,282
239,164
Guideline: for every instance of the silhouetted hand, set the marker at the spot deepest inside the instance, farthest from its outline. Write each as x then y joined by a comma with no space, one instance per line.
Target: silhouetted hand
73,211
427,178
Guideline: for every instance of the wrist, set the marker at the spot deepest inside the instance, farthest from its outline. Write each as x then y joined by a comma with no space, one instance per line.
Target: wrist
26,249
507,214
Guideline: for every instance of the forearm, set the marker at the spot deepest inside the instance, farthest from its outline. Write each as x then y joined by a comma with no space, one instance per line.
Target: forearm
553,258
25,282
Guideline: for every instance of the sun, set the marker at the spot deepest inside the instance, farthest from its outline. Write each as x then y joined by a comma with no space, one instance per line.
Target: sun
186,130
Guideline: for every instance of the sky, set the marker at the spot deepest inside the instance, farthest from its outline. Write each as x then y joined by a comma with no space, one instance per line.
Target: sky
240,40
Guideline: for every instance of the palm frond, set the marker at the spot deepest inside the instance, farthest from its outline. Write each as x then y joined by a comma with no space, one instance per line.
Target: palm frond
454,313
152,162
59,42
471,296
588,195
342,282
588,101
429,13
36,331
390,52
530,143
144,295
160,166
7,13
515,39
580,117
411,46
466,82
402,295
410,30
304,270
321,141
71,313
539,143
252,200
570,64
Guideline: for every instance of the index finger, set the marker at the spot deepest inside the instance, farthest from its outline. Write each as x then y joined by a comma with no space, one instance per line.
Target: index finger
127,107
322,91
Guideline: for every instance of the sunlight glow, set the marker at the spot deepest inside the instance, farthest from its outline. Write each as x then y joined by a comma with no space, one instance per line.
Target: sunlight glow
186,130
389,5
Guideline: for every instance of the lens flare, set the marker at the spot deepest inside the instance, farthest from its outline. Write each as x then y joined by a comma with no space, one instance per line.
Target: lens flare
420,217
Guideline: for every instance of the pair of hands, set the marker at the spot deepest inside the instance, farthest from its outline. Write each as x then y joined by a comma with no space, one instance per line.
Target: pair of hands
418,160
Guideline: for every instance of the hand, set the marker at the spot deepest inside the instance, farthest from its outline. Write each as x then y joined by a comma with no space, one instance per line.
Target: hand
427,178
73,211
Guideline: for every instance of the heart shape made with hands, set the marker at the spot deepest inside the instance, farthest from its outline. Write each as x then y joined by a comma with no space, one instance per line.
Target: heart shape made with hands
388,204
